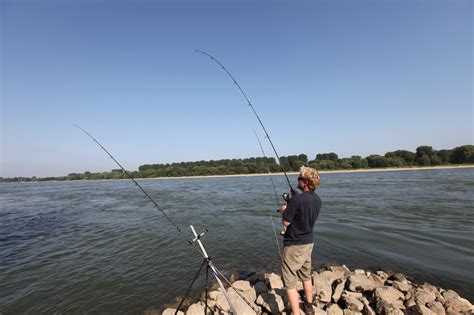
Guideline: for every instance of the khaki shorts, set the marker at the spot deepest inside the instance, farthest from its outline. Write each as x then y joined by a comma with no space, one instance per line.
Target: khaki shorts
296,264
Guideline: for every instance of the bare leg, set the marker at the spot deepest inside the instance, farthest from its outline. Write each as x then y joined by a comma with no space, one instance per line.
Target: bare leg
294,299
308,291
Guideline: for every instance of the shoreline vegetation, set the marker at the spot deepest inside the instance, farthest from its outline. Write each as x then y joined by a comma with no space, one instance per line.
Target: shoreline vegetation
337,290
425,157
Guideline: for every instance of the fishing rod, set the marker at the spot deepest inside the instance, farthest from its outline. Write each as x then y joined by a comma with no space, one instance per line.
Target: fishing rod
274,190
253,110
141,188
201,251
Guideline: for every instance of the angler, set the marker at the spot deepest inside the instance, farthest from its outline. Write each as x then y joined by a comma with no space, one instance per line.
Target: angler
299,217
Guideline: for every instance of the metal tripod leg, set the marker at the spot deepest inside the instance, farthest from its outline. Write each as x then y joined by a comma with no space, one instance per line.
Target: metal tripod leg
213,269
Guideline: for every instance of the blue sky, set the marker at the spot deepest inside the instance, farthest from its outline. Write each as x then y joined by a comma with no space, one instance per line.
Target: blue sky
351,77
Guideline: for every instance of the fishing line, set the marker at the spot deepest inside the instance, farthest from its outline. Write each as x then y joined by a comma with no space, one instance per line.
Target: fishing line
276,194
253,110
207,259
143,190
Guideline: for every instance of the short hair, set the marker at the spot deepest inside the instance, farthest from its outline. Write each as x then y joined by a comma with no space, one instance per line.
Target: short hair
310,176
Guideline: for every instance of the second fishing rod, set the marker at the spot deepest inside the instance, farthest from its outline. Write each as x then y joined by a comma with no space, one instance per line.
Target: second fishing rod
267,136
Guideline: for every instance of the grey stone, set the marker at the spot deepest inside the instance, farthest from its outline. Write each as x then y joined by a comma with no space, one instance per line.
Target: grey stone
334,309
239,304
402,286
382,275
351,312
321,288
318,311
331,276
376,280
387,297
359,272
367,308
432,289
340,284
273,281
342,272
399,277
245,289
359,283
195,309
271,302
423,297
351,302
436,307
214,294
419,309
458,305
171,311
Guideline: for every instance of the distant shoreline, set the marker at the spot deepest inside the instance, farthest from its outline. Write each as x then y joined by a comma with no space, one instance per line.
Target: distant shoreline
361,170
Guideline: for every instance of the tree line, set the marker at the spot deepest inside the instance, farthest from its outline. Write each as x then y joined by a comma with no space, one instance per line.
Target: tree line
424,156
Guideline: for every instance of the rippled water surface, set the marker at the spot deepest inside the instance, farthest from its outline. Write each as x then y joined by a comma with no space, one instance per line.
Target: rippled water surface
102,247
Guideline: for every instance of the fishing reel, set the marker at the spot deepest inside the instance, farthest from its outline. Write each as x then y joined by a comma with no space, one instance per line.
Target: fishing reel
286,197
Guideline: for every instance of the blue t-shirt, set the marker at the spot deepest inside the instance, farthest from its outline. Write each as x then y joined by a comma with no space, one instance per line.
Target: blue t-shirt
302,212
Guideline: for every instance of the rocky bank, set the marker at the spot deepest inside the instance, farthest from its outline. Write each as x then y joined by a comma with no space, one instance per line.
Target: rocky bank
337,291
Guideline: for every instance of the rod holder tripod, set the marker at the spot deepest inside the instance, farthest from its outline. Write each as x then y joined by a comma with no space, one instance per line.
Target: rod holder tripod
209,266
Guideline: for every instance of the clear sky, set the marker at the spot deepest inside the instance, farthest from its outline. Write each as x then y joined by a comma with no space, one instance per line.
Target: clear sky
351,77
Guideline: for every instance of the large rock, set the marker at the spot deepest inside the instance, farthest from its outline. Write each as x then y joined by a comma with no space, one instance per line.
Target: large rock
322,289
214,294
342,272
382,274
334,309
351,312
424,297
419,309
273,281
402,286
332,276
245,289
318,311
271,302
195,309
359,283
432,289
351,302
171,311
339,288
240,305
454,304
436,307
367,308
398,277
376,280
388,298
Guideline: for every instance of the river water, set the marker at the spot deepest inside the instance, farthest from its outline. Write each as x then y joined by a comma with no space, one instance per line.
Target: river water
102,247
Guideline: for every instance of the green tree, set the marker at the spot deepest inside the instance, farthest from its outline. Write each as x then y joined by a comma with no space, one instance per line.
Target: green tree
463,154
303,158
407,156
327,156
444,155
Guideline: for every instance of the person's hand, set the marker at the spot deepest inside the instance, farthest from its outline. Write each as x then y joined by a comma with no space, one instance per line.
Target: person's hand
283,208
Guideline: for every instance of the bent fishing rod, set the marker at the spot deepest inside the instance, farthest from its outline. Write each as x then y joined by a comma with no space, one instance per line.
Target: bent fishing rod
253,110
218,274
141,188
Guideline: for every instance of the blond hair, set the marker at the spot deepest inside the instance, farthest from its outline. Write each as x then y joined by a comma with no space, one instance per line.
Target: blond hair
310,176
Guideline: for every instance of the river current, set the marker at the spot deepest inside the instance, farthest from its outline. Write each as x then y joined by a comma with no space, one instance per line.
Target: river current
102,247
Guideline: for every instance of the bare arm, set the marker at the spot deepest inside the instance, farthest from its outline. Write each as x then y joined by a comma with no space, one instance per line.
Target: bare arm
284,222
